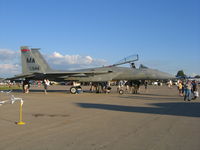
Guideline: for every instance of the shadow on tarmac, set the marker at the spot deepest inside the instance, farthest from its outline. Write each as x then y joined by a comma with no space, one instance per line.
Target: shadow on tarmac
187,109
156,97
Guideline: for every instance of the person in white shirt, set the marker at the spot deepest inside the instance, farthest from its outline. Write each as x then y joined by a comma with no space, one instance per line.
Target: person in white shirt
46,83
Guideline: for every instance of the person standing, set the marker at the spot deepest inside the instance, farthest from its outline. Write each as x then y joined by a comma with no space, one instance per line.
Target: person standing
145,85
188,87
46,84
195,90
180,87
120,85
170,84
26,86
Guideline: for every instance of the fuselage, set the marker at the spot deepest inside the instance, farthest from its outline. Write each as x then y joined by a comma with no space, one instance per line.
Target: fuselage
119,73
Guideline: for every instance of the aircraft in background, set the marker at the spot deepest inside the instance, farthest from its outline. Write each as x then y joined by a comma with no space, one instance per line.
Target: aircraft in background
34,67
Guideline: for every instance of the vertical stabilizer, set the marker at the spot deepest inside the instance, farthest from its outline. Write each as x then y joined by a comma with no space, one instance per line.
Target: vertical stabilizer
33,61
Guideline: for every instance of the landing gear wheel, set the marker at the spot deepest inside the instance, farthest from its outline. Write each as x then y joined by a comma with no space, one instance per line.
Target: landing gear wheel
121,92
73,90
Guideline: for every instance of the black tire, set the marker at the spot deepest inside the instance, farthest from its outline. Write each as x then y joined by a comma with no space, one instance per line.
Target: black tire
109,88
73,90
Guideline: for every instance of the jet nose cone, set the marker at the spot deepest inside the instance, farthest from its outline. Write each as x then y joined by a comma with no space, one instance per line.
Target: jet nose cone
159,75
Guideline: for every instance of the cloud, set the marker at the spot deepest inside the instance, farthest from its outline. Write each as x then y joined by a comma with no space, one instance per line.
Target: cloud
9,64
9,69
73,61
7,55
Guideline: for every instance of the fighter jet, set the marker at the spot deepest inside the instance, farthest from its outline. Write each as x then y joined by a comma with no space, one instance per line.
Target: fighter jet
35,67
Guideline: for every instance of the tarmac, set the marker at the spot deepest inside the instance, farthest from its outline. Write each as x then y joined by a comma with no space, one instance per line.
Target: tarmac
157,119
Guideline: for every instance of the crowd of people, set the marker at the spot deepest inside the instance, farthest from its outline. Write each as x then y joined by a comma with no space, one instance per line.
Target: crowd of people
188,89
100,87
26,85
130,86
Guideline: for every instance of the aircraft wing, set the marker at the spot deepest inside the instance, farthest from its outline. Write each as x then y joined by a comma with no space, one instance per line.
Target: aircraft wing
30,75
87,73
39,76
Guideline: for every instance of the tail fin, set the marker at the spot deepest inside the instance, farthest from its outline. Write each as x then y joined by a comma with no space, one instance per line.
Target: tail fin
33,61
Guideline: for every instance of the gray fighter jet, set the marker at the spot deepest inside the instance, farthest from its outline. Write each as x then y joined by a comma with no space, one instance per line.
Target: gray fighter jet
34,67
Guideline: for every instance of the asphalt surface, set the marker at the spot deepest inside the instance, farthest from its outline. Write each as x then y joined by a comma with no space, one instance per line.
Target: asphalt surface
157,119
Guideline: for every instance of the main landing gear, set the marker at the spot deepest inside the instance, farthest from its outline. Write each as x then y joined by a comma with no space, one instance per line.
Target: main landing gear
75,89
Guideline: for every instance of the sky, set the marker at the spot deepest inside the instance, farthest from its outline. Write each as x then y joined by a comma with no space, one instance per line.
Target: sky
75,34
